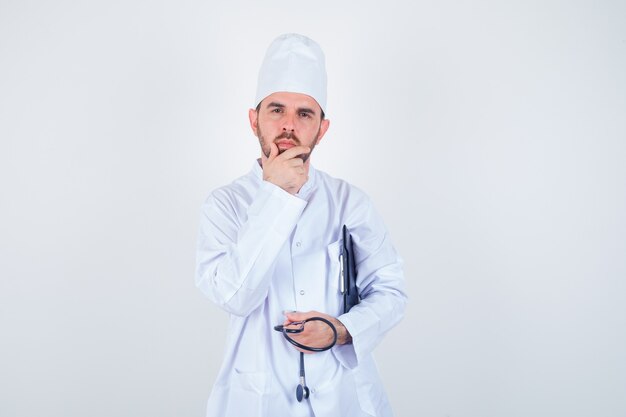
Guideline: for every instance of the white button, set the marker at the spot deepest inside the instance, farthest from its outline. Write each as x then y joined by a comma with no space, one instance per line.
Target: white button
301,292
313,390
298,244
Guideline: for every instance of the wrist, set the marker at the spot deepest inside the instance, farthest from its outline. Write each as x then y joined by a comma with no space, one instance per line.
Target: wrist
343,335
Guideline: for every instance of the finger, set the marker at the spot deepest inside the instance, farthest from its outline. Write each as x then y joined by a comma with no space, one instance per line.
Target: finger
296,316
273,152
295,162
295,152
306,352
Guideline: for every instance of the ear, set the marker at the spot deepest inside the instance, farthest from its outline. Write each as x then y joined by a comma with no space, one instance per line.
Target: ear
254,118
323,128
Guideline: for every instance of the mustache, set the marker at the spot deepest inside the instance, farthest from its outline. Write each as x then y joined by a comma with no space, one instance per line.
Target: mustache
290,136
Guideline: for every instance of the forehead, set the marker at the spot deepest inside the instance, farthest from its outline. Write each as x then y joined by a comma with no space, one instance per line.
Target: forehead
297,100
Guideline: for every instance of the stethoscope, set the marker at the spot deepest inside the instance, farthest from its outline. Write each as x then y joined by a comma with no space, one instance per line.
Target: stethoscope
302,391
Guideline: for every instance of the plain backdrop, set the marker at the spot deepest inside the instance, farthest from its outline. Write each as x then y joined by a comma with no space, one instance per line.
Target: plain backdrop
491,135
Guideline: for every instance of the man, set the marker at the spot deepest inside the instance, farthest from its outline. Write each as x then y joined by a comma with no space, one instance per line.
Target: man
269,253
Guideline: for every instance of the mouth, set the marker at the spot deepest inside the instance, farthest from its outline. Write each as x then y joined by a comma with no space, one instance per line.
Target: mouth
285,144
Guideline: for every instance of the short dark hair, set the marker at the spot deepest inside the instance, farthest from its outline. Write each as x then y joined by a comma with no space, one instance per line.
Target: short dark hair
258,107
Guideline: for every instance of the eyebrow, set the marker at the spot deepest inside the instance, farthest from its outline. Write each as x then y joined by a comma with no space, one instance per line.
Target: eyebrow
306,110
275,104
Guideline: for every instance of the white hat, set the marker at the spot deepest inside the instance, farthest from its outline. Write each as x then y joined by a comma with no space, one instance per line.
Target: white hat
296,64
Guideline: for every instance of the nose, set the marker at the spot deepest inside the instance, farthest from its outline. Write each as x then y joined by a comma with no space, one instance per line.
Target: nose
288,123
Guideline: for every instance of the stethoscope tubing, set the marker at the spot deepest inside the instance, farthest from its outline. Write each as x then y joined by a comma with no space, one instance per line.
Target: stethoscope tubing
286,332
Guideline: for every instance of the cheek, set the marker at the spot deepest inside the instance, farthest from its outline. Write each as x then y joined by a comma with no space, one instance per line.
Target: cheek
268,128
311,132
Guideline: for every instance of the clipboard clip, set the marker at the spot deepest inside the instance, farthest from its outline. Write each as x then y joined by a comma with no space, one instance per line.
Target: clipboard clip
342,280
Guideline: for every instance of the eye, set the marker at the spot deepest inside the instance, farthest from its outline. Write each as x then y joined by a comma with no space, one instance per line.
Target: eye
277,110
305,114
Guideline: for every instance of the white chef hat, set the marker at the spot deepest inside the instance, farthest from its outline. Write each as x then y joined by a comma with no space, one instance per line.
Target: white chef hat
296,64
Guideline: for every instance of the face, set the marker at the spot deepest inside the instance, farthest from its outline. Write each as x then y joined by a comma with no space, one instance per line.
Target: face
288,120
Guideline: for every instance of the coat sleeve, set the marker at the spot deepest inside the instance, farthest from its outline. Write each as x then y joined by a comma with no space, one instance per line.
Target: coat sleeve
380,280
236,249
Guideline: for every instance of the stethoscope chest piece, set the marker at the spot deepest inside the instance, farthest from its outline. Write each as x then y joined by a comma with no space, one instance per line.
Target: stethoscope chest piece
302,392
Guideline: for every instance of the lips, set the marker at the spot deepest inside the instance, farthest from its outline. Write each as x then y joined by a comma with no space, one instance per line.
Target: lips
285,144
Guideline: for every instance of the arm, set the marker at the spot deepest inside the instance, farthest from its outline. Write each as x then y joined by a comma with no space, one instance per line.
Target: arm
237,247
232,258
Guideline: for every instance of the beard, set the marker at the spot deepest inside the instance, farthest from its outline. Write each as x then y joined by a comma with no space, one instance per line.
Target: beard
265,148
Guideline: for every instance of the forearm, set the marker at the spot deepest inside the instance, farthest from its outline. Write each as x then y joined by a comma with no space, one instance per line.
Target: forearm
382,305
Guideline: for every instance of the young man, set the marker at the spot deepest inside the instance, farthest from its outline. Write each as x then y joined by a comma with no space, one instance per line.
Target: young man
270,252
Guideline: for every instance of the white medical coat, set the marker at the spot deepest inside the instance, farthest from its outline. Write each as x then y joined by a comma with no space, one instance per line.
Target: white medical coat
262,251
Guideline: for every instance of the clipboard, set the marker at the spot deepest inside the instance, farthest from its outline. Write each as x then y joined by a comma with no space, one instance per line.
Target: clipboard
348,272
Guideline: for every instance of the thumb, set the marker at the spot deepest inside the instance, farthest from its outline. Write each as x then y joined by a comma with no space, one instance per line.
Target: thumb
273,151
295,316
272,155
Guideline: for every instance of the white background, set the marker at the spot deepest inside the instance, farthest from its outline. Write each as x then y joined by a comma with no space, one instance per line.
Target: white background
490,135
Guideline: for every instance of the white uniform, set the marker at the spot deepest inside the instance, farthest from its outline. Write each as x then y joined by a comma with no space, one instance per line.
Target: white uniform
262,251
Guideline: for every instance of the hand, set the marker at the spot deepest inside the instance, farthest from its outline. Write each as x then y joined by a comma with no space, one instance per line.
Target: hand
286,170
317,333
